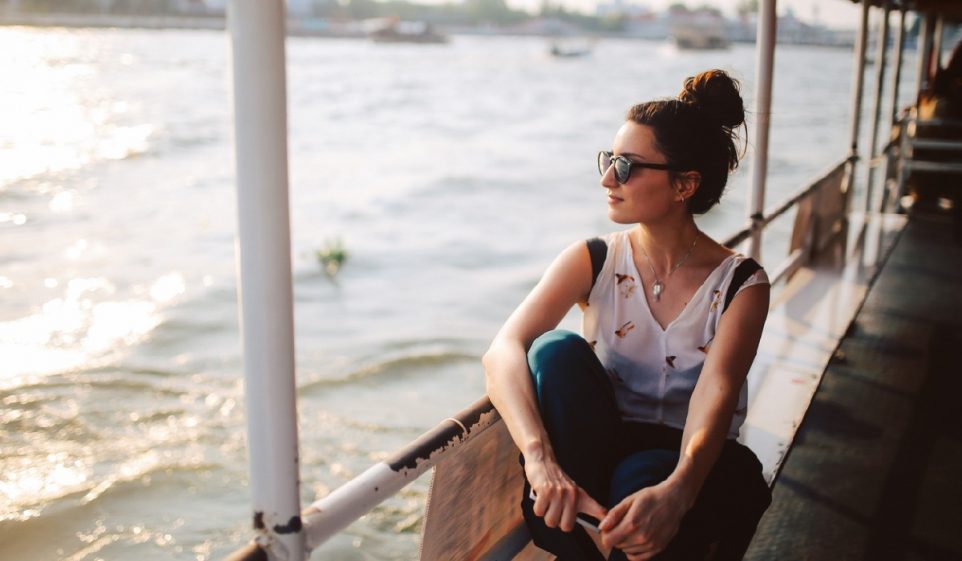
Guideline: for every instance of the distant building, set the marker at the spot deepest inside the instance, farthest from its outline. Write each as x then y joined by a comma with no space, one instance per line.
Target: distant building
637,20
791,31
216,6
702,28
300,8
648,25
546,27
620,8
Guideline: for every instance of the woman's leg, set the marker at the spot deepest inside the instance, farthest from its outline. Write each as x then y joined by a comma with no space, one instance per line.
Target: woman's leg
732,501
647,468
728,507
580,415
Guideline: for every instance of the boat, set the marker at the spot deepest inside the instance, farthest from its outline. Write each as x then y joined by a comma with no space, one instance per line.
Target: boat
397,31
837,249
570,47
699,29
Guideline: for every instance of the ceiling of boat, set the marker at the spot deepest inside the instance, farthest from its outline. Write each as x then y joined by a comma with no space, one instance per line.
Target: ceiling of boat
949,8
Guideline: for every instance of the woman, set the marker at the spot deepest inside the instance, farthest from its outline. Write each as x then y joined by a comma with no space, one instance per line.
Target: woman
635,423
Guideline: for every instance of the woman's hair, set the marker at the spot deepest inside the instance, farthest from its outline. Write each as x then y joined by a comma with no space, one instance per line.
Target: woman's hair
697,131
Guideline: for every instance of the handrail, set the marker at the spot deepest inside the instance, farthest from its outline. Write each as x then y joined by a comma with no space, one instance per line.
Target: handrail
779,209
331,514
950,123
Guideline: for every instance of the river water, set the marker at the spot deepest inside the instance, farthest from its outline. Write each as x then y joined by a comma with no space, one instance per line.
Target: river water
451,174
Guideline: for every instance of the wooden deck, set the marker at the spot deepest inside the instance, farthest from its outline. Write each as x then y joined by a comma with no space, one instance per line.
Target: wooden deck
876,469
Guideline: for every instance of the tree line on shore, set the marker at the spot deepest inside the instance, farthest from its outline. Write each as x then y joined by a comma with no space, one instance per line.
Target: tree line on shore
464,12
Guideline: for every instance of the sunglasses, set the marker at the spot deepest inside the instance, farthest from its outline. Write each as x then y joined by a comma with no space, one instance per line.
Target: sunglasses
624,166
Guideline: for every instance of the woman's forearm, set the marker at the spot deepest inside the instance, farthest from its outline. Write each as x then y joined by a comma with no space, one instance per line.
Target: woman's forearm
715,398
706,428
511,391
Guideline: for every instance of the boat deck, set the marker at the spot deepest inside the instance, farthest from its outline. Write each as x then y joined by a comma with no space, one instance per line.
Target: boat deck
874,472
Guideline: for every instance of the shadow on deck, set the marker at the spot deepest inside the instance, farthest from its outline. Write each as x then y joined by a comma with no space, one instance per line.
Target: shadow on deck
875,472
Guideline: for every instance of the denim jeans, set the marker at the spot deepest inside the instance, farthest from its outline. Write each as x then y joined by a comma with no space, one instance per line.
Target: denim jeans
611,459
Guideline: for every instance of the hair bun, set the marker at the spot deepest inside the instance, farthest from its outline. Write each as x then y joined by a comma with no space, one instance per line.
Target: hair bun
715,93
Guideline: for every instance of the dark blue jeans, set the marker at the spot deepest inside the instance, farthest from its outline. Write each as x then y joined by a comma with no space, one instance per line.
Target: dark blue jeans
611,459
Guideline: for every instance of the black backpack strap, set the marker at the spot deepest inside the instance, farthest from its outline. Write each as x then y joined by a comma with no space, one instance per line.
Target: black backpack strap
745,269
598,250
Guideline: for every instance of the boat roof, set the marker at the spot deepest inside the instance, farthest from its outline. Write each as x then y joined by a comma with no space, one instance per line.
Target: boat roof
949,8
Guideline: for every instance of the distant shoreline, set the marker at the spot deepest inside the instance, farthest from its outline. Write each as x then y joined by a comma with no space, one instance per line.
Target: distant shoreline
295,27
113,21
108,20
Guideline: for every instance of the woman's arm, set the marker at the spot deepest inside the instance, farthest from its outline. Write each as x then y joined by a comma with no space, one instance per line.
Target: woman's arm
644,523
566,282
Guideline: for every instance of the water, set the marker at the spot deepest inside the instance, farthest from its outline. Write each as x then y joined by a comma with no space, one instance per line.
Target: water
452,174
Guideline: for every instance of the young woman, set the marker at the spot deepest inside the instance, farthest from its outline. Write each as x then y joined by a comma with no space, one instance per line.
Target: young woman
635,422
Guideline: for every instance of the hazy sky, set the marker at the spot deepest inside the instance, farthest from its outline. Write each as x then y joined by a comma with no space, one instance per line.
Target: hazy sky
835,13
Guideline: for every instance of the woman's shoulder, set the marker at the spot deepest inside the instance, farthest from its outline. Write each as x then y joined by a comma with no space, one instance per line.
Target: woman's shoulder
611,243
618,236
727,266
713,254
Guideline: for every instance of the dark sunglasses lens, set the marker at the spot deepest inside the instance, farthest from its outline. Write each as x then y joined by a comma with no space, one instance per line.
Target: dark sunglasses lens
622,170
604,162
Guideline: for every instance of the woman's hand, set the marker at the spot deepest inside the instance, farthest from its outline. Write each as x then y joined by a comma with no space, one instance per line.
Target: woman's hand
644,523
558,499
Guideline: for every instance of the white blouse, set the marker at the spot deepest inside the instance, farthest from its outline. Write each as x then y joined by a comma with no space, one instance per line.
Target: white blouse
654,370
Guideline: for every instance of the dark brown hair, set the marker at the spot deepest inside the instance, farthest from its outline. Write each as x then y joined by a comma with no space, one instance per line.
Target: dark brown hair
697,131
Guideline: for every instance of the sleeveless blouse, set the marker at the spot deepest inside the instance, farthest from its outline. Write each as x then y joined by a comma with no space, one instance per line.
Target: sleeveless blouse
654,370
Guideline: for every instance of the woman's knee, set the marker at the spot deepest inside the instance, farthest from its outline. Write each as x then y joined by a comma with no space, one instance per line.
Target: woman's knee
557,355
557,345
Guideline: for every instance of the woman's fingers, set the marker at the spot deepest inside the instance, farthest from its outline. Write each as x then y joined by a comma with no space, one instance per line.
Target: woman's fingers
589,506
641,551
613,517
637,548
570,508
557,505
622,529
540,503
553,515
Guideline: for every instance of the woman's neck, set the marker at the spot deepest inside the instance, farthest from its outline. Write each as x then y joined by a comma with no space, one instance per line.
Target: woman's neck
667,244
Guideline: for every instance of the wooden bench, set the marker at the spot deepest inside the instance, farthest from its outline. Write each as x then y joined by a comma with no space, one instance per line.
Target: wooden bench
925,150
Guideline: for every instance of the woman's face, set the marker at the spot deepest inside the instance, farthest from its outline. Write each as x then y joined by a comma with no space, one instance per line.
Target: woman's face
649,194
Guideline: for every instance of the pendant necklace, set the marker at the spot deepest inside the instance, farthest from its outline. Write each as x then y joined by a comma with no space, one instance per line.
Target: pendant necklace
659,286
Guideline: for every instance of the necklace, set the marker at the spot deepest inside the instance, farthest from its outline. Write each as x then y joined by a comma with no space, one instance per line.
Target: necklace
659,286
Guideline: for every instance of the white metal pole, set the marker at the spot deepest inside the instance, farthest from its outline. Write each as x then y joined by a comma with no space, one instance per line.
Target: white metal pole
765,63
897,64
937,38
880,55
926,30
257,29
858,85
860,46
891,185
